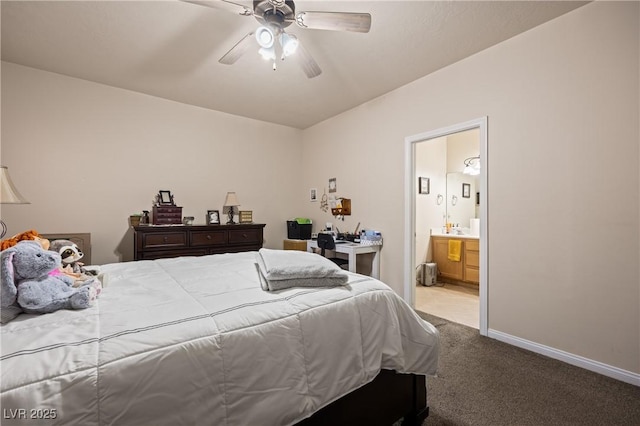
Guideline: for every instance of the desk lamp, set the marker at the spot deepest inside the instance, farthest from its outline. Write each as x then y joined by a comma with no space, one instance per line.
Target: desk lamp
8,194
230,202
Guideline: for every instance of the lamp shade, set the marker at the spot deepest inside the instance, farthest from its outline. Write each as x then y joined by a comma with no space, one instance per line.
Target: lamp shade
231,200
8,192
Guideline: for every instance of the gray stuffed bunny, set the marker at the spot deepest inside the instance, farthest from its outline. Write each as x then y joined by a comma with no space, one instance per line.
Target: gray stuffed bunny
30,281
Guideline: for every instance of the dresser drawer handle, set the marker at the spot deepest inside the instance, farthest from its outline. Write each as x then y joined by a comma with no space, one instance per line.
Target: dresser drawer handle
244,236
165,239
208,237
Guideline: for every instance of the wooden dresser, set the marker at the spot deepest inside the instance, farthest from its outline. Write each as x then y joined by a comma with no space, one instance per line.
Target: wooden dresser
156,242
467,269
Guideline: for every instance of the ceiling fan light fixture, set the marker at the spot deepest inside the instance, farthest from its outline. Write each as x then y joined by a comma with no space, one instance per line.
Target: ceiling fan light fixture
265,37
289,44
276,15
267,53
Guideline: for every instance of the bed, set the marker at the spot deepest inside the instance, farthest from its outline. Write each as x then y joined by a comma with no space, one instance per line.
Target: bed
196,340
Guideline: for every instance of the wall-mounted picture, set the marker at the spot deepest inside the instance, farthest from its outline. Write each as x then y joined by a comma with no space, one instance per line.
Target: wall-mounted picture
313,195
423,185
466,190
333,185
213,217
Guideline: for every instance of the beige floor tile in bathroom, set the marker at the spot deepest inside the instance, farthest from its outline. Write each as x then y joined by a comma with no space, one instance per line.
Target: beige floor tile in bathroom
457,303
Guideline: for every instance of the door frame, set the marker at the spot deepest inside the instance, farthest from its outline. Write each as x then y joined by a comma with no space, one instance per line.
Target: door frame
410,187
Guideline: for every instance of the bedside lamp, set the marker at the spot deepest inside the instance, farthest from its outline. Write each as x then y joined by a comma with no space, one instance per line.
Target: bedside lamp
8,194
230,202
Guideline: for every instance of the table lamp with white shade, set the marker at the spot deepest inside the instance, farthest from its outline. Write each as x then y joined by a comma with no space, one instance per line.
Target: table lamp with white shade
230,202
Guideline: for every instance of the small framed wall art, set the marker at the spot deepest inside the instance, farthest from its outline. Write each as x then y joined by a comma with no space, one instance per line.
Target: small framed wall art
213,217
423,185
333,187
466,190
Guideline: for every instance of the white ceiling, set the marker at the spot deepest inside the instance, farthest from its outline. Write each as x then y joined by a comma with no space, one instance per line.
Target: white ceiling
170,49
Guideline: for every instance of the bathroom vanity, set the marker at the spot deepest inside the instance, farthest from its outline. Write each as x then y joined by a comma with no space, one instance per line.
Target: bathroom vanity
467,269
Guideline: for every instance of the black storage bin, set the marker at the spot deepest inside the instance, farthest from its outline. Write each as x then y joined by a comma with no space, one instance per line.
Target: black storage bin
298,231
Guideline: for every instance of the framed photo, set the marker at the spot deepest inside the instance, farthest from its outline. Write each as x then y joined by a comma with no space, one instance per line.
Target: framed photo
423,185
313,195
332,185
246,216
466,190
213,217
165,198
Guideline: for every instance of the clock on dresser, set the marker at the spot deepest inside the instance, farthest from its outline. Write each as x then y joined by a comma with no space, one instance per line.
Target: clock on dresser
165,241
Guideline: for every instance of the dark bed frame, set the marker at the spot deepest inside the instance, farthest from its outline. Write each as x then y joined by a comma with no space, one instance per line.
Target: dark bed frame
388,398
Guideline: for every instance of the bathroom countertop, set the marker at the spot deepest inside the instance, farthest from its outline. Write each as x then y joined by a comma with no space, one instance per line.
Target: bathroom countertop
453,235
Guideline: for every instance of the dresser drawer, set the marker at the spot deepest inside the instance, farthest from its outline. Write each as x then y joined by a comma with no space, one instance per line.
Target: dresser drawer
167,210
245,236
472,275
168,215
472,245
472,258
166,221
208,238
164,240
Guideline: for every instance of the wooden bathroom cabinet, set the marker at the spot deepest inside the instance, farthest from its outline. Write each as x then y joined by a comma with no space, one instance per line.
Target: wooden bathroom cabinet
467,269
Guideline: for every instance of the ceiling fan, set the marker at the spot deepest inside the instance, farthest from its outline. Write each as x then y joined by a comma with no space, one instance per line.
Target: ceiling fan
274,16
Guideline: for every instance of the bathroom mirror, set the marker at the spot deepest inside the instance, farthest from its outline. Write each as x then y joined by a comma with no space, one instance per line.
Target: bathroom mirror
461,198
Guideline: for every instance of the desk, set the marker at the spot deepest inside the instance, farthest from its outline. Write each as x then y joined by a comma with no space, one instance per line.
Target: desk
354,249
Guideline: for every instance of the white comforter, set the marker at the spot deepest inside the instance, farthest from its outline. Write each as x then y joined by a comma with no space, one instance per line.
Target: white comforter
196,340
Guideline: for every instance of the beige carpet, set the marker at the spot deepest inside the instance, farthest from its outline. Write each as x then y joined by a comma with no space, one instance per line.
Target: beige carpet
482,381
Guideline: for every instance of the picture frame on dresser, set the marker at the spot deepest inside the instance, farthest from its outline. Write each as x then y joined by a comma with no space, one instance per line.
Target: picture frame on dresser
245,216
213,217
165,198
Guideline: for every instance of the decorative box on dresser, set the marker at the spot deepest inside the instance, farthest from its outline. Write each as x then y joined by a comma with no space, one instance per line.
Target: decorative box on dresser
156,242
167,215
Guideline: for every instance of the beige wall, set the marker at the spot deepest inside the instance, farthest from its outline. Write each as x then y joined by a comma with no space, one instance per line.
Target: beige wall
563,227
563,170
430,162
88,155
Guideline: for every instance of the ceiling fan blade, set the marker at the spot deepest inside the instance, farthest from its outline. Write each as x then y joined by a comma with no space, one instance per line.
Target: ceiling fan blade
335,21
306,62
239,49
229,6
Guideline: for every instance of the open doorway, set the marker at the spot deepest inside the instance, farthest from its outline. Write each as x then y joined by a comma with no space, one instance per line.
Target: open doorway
438,192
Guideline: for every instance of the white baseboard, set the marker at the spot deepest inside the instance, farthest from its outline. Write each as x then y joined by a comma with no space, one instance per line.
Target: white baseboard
577,360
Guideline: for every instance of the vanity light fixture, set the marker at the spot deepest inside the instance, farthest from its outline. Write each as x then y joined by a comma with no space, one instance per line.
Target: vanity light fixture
472,166
8,194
